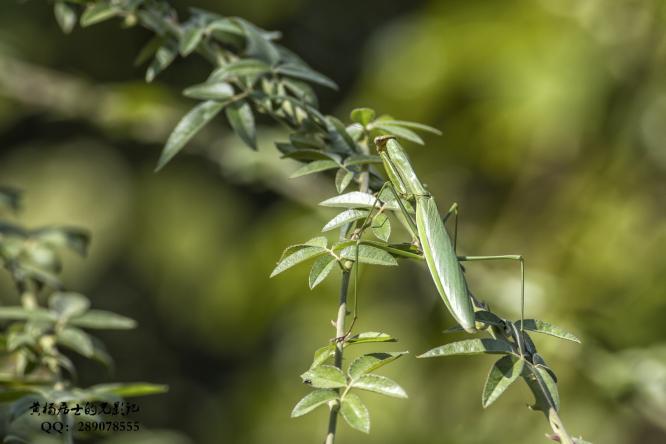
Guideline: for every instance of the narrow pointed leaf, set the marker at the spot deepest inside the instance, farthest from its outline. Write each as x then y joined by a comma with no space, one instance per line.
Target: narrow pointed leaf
189,125
101,319
370,336
67,305
356,199
549,384
164,56
324,376
469,347
257,45
313,400
219,91
398,131
323,355
241,119
302,254
321,268
240,68
314,167
362,159
379,384
546,328
305,73
355,413
502,374
20,314
98,12
413,125
344,218
342,179
371,362
369,255
128,390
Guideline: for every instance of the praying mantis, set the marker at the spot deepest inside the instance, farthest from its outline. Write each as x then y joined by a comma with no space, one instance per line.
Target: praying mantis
429,232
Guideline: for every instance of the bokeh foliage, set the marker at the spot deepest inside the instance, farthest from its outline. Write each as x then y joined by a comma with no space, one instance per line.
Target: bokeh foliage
552,114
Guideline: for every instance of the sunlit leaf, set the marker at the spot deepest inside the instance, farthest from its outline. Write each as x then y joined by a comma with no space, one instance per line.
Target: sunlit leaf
368,255
538,326
371,362
356,199
379,384
344,218
414,125
323,355
355,413
219,91
189,125
101,319
321,268
21,314
324,376
502,374
370,336
240,68
190,39
313,400
398,131
469,347
302,254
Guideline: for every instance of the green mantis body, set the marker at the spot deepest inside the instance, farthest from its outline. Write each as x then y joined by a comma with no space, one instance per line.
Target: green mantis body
436,244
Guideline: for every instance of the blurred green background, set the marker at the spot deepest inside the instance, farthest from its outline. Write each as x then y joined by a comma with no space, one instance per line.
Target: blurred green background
554,145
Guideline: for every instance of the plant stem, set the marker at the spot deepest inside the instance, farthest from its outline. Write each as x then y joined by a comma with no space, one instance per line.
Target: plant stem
339,347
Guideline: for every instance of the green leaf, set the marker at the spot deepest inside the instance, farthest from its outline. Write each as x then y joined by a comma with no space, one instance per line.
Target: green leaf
219,91
381,227
469,347
23,314
128,390
368,255
314,167
488,318
257,45
546,328
77,340
371,362
101,319
356,199
305,73
148,50
190,39
321,268
67,305
370,336
164,56
302,254
344,218
549,384
98,12
65,16
414,125
342,179
398,131
75,239
240,68
323,355
502,374
188,126
313,400
241,119
379,384
363,115
355,413
324,376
